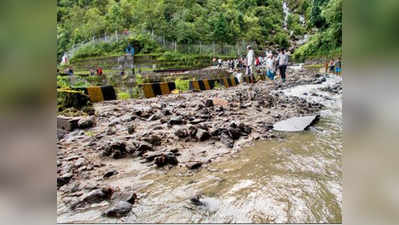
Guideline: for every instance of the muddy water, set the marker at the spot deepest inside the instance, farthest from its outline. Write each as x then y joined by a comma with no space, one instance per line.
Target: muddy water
297,179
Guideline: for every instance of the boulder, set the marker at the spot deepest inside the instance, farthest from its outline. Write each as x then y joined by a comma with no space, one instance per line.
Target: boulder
116,150
209,103
67,123
120,209
227,140
80,162
153,139
202,135
193,165
64,179
130,129
86,122
110,173
176,120
163,160
181,132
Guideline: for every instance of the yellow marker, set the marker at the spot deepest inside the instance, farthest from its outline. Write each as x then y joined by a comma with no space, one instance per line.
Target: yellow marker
164,88
206,84
95,94
196,85
233,82
226,83
148,92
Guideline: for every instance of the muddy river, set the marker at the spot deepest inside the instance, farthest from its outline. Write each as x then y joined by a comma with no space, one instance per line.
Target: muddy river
295,179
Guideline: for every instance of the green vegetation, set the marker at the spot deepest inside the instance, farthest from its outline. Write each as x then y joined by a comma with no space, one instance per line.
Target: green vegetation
182,85
188,22
326,15
123,95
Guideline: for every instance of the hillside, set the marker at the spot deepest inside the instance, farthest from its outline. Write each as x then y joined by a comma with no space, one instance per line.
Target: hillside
272,23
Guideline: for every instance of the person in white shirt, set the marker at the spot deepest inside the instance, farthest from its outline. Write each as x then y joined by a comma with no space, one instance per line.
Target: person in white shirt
250,60
282,62
270,66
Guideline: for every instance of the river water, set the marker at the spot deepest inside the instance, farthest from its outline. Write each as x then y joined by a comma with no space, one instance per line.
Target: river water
296,179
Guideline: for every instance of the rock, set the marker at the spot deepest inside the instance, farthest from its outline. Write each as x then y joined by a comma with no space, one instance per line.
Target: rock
176,120
61,133
64,179
86,122
121,209
193,165
296,123
181,132
132,198
111,131
110,173
153,139
166,112
219,102
80,162
202,135
116,150
227,140
67,123
245,129
234,133
163,160
95,196
143,146
151,156
131,128
196,201
192,130
209,103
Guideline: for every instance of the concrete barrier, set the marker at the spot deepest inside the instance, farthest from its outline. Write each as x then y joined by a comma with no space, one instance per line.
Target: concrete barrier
153,89
99,93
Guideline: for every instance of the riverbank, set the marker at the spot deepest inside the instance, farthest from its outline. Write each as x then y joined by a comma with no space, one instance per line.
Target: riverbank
186,131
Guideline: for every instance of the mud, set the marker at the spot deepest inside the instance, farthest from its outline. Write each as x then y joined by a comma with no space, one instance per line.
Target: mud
186,131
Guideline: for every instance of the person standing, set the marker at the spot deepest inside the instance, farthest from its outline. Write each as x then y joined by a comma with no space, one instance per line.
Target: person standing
270,66
250,60
220,63
338,66
331,66
282,62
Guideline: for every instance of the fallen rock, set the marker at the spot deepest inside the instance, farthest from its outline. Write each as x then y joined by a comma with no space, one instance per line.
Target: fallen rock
153,139
209,103
95,196
131,128
86,122
181,132
121,209
110,173
193,165
227,140
64,179
80,162
176,120
202,135
164,160
67,123
116,150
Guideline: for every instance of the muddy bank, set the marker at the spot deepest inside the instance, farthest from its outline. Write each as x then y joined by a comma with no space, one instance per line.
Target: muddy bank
187,131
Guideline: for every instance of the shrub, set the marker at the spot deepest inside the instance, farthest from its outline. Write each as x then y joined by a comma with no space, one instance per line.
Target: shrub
182,85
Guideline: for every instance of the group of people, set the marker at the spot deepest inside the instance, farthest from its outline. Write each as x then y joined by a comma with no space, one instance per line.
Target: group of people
335,66
273,62
98,71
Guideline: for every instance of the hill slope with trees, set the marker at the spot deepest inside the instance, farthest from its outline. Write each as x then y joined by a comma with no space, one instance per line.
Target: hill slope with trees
206,21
